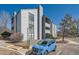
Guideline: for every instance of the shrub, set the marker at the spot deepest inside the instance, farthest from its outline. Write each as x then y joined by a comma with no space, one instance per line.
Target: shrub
49,36
5,34
16,37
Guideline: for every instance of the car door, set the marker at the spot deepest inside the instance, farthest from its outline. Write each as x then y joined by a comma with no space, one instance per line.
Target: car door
51,46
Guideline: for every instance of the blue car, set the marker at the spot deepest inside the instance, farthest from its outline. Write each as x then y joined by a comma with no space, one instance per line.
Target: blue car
44,47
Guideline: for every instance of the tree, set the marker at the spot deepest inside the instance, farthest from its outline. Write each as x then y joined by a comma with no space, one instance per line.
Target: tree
65,25
4,18
73,31
68,27
77,26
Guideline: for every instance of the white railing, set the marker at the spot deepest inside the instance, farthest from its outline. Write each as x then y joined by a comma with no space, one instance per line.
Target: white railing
47,31
47,25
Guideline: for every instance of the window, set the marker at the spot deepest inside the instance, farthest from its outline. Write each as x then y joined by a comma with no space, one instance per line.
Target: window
43,43
47,28
48,20
31,18
47,35
49,44
31,26
52,42
12,28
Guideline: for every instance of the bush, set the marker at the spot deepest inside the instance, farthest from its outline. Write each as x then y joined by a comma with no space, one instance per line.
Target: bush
50,36
5,34
47,35
16,37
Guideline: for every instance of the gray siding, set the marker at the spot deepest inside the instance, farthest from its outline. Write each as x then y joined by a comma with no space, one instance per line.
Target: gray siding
18,22
43,27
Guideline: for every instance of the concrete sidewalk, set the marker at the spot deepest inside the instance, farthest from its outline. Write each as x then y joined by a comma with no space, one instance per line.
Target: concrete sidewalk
6,47
72,42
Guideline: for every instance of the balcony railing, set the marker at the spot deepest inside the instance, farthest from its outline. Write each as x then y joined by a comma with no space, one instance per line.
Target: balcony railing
47,25
47,31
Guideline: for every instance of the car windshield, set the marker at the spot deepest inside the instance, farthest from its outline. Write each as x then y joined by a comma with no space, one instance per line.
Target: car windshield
42,43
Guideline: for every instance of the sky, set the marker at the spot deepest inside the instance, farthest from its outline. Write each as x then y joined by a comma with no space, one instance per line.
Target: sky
55,12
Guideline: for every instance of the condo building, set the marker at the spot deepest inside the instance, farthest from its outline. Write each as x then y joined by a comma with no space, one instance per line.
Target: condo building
46,27
54,30
32,23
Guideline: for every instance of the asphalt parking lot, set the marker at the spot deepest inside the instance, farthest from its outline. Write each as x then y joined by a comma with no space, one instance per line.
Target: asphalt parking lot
70,49
57,52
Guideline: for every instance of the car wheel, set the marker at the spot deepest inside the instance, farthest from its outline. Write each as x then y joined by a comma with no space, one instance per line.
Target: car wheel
46,52
55,48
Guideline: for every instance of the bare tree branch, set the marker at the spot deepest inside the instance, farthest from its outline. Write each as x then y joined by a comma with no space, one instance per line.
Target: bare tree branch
4,18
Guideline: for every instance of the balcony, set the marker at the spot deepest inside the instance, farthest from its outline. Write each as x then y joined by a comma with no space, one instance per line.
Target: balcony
31,22
47,25
47,31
